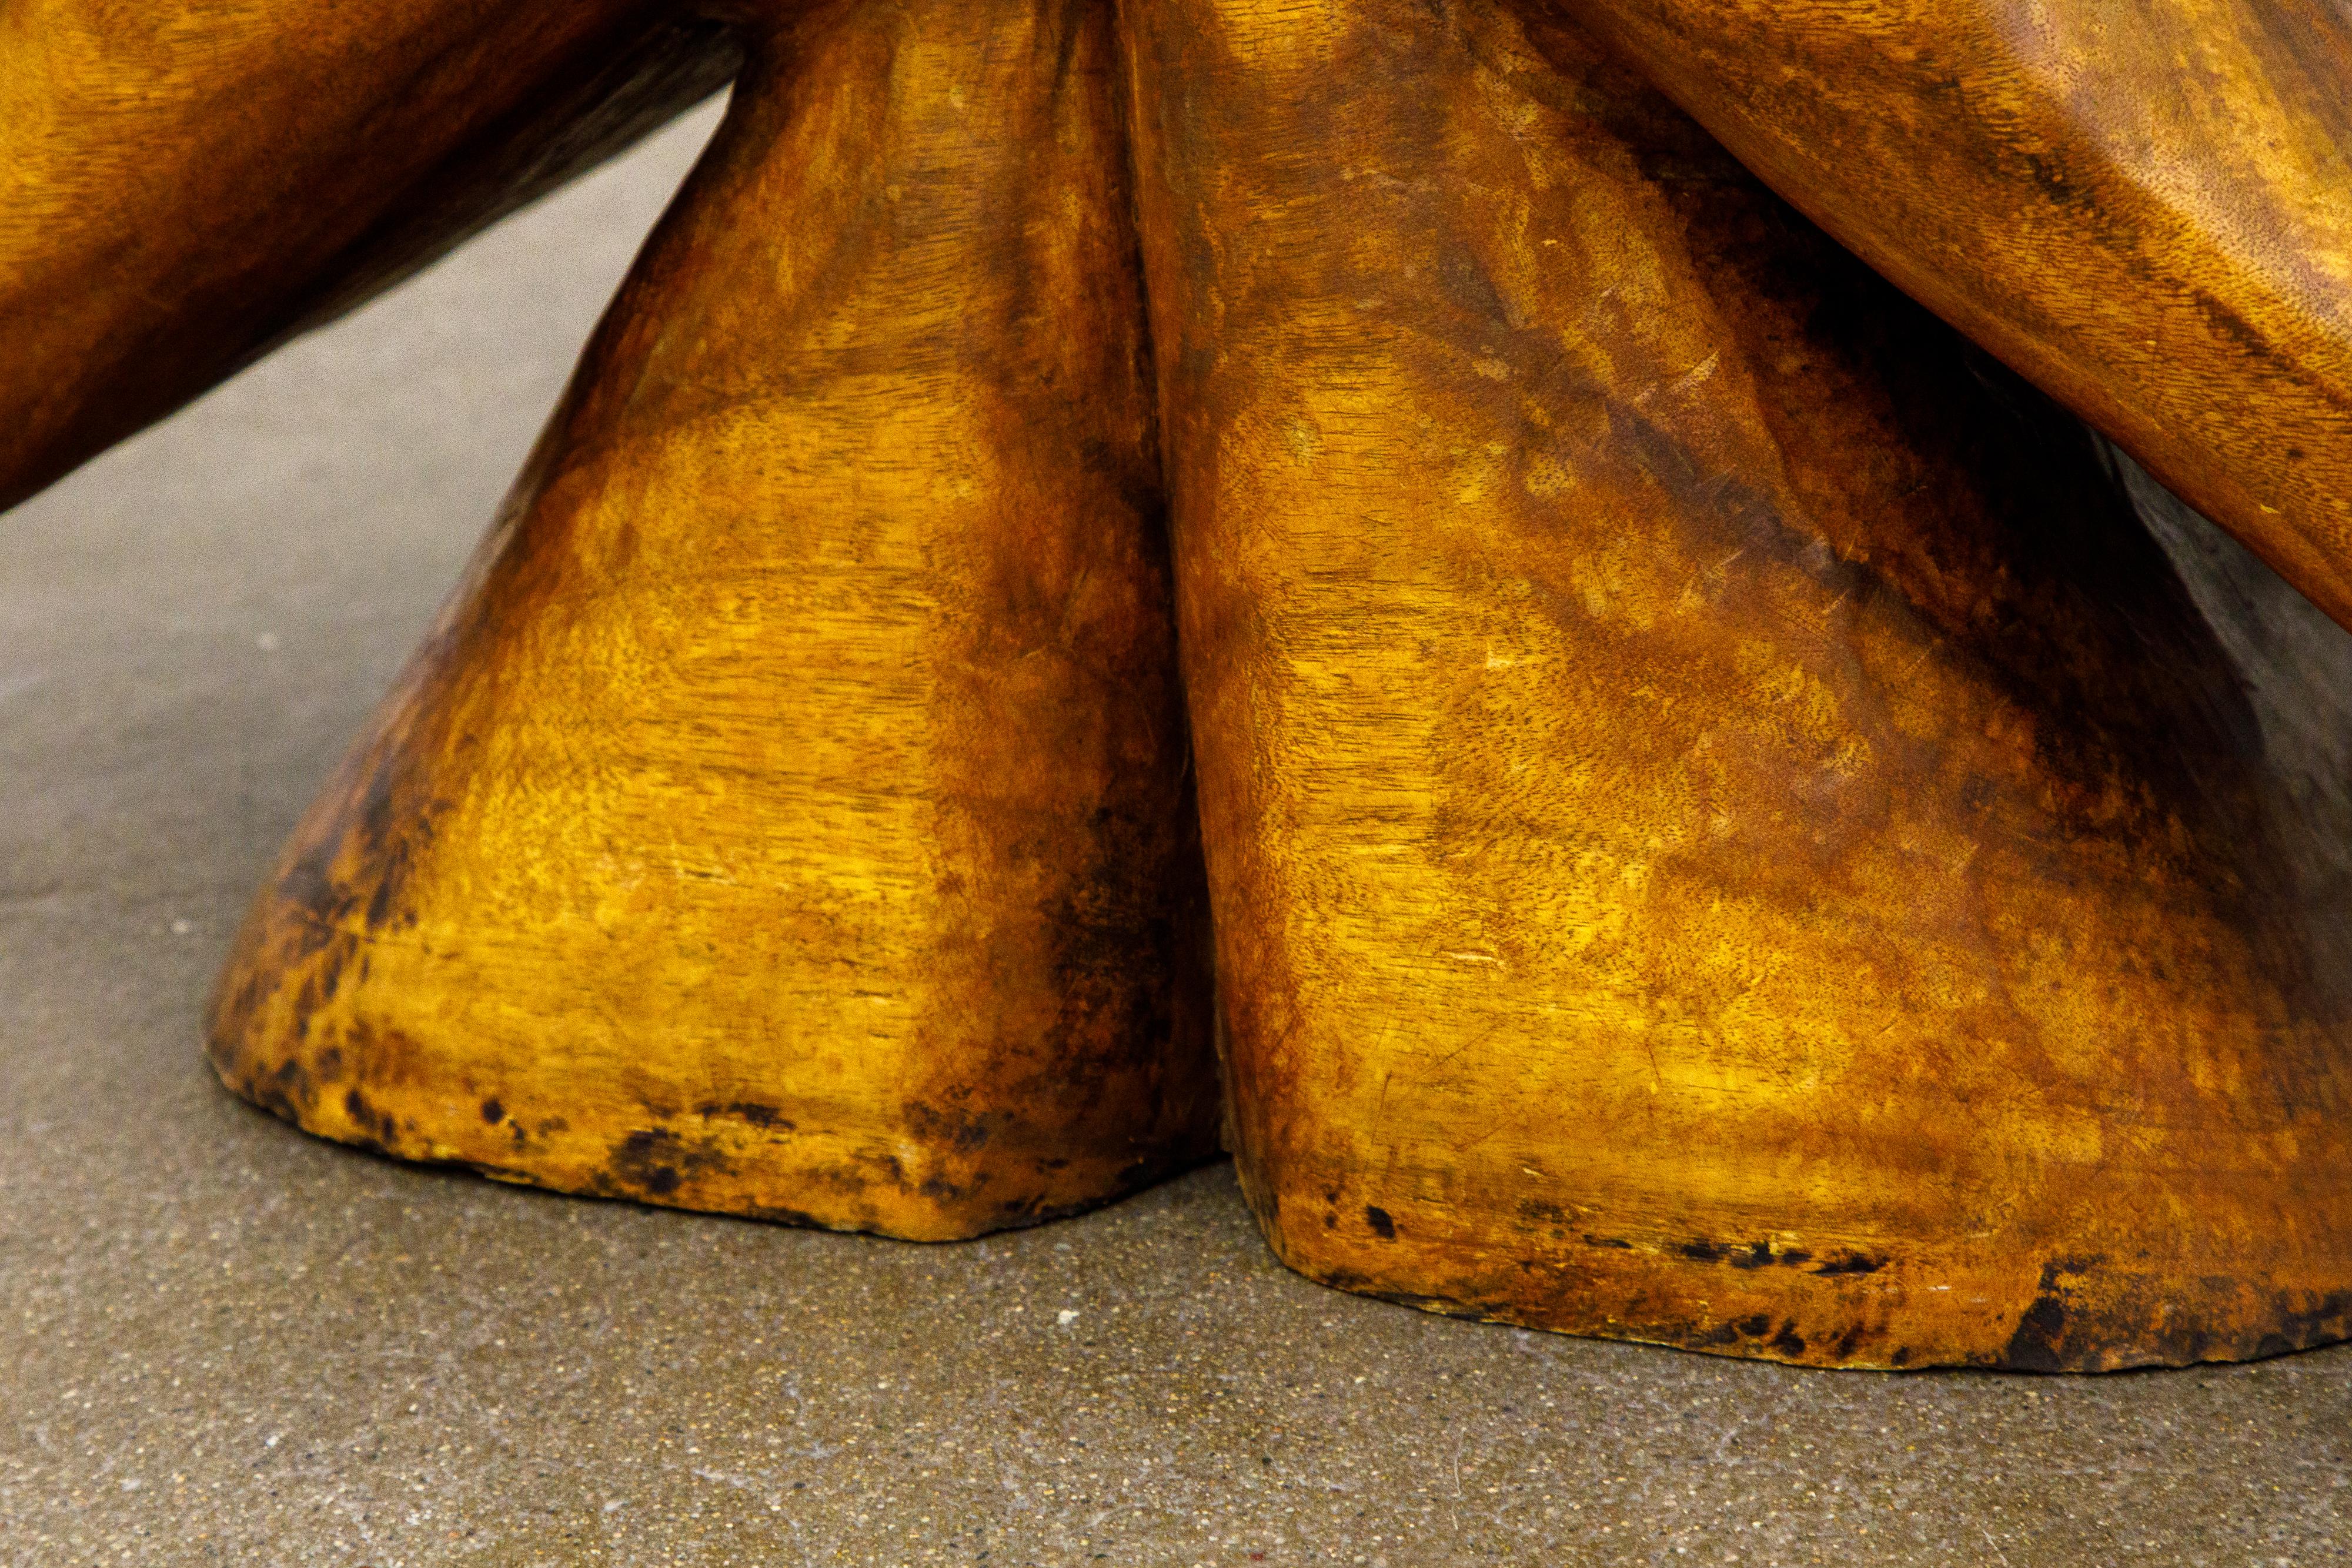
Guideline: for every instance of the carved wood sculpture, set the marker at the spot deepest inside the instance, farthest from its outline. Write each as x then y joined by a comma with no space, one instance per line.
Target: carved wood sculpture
2146,207
1729,820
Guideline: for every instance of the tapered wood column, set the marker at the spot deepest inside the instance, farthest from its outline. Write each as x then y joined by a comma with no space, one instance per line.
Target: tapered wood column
791,815
1725,827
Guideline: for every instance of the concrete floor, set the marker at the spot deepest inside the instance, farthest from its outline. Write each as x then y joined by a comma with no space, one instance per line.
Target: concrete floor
230,1344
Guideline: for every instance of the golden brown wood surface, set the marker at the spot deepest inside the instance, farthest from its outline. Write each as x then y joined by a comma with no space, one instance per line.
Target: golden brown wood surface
2144,206
791,817
1730,819
1724,827
184,185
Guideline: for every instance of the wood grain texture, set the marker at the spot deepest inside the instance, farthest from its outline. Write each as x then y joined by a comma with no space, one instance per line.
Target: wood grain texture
792,817
1725,826
1732,819
183,186
2144,205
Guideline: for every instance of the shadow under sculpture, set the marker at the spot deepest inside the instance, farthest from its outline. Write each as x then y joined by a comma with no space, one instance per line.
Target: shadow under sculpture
1726,824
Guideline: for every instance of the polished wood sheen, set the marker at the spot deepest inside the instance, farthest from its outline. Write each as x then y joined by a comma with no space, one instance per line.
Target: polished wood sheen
1725,827
1730,819
184,185
2144,206
791,817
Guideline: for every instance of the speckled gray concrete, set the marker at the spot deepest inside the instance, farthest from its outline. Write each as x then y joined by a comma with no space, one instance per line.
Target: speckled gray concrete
230,1344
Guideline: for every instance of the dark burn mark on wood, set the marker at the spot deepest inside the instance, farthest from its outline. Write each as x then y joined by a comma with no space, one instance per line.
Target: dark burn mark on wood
284,1092
656,1161
960,1130
1382,1226
1758,1327
757,1115
1618,1242
381,1127
2035,1346
1759,1255
492,1112
381,907
1852,1263
2320,1320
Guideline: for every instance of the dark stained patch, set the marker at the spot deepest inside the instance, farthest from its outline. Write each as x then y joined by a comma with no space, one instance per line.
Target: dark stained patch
1382,1226
1759,1255
956,1130
2034,1346
377,1128
492,1112
381,906
285,1091
2232,325
656,1161
1852,1263
2321,1319
749,1111
1789,1341
292,1083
